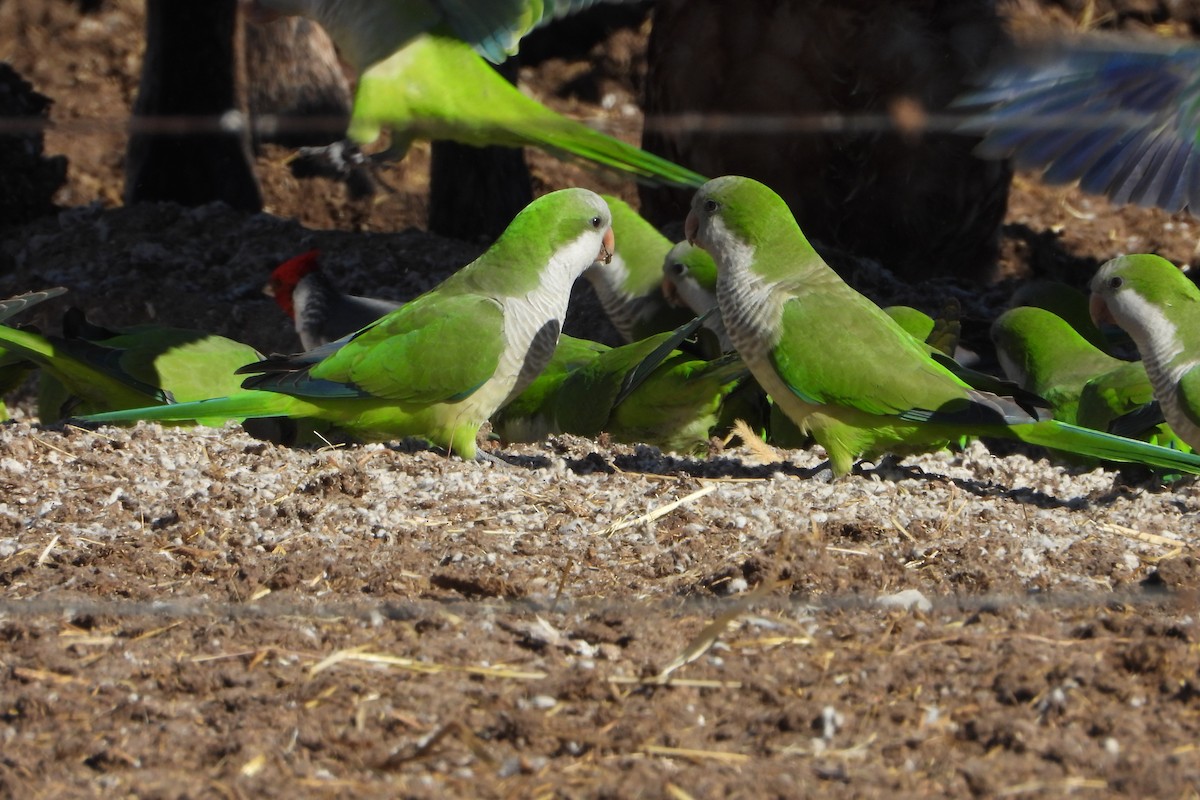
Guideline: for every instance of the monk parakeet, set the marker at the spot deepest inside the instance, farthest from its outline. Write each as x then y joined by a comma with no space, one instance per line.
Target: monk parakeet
1117,115
441,364
1041,352
321,312
90,369
1158,306
422,74
840,367
629,286
689,280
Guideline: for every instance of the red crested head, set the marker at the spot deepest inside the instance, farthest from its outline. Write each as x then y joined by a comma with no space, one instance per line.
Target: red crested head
287,275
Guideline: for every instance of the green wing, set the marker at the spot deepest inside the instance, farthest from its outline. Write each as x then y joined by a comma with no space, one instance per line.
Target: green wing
191,365
1113,394
434,349
541,395
832,342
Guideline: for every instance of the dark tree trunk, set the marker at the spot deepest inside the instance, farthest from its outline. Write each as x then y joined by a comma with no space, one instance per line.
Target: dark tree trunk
766,77
474,192
191,71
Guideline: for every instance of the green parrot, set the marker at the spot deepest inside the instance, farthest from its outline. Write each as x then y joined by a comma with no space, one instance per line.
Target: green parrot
689,280
14,367
1043,353
90,369
421,75
841,368
441,364
645,392
630,285
1159,307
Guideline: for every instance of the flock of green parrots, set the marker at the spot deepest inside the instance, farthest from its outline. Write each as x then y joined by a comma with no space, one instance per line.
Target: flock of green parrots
741,321
860,380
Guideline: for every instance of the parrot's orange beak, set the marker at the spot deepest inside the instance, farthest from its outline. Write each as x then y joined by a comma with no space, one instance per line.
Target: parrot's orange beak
691,227
1099,312
608,246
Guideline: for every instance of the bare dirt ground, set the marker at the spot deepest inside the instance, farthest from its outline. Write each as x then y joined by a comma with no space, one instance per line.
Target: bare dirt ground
194,613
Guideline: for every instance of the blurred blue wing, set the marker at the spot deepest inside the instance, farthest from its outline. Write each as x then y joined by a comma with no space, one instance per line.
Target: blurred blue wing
1120,117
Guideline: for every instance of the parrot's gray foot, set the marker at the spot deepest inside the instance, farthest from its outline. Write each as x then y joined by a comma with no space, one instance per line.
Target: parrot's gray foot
341,161
889,468
500,462
484,457
512,462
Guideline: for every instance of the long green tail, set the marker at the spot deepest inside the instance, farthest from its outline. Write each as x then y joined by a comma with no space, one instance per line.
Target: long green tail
243,405
1104,446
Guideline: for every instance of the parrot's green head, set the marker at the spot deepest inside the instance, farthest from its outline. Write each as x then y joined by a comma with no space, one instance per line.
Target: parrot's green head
689,278
562,222
687,260
1024,326
1023,337
734,217
554,238
1143,294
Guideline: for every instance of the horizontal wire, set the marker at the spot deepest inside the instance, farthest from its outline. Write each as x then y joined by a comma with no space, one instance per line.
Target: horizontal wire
764,124
187,608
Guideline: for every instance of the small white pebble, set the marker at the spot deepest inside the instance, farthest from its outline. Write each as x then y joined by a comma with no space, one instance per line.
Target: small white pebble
907,599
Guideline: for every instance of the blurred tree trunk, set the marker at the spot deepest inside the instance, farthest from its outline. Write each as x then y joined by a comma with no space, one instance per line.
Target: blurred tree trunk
197,146
828,103
474,192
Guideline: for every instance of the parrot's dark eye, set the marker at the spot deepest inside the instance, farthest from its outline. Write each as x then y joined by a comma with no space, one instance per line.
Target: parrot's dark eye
1115,283
596,222
710,206
675,269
